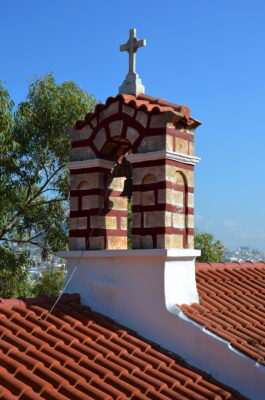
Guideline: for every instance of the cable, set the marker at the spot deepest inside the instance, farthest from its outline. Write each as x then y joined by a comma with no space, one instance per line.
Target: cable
112,174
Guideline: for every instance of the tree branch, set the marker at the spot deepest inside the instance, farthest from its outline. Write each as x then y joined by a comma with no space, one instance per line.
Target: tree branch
13,221
45,184
28,241
50,190
23,240
40,203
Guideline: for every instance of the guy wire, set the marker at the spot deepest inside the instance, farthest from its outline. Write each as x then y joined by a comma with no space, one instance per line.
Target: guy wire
112,174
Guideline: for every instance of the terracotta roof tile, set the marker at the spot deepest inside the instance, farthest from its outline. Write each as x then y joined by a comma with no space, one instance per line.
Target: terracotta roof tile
143,102
232,304
76,353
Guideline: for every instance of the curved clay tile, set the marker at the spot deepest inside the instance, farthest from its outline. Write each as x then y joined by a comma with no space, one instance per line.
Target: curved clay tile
232,304
142,102
75,353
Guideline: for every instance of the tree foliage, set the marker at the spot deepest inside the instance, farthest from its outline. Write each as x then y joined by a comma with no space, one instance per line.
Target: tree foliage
34,184
14,274
50,283
211,250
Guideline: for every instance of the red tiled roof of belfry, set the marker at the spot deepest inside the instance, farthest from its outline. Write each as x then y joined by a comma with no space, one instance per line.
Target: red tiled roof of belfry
75,353
142,102
232,304
150,103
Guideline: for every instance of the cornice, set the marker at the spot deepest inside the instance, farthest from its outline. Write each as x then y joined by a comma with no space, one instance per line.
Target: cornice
96,162
163,154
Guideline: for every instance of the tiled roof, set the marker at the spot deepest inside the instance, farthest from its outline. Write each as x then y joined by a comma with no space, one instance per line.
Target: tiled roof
142,102
232,304
149,103
75,353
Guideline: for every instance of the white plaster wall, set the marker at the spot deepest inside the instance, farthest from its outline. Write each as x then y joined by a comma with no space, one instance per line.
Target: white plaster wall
139,288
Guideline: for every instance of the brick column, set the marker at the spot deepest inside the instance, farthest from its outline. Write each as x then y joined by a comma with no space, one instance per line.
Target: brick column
162,212
98,215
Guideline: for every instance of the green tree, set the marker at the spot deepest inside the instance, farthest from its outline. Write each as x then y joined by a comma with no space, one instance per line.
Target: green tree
211,250
34,184
14,275
50,283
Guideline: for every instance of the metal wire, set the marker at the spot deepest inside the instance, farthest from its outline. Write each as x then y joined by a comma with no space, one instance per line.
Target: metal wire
112,174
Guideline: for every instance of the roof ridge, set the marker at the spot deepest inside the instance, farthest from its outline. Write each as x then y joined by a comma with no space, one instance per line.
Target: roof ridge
24,301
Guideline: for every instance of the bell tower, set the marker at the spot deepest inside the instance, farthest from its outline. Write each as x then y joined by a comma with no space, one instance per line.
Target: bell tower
138,139
143,147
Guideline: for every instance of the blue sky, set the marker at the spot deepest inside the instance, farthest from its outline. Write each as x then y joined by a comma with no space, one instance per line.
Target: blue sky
206,54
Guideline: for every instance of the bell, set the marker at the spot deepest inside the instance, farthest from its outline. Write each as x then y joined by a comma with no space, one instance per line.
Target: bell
127,189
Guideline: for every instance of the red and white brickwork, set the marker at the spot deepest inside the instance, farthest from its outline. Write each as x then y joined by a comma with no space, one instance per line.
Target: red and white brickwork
98,215
163,206
157,137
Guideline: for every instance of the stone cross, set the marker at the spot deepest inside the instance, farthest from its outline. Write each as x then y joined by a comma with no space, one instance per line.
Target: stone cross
132,46
132,83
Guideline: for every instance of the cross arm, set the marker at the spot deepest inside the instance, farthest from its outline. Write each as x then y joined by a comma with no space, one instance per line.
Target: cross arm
136,44
124,47
140,43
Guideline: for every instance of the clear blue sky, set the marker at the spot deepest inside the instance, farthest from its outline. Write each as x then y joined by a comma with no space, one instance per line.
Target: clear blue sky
206,54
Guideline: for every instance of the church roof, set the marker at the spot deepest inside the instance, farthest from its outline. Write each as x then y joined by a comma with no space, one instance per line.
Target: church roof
75,353
232,304
142,102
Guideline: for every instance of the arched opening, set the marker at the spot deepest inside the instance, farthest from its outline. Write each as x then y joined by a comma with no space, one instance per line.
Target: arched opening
179,217
119,184
115,147
121,180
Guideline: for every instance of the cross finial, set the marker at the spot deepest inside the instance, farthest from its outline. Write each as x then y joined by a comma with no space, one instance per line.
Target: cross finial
132,83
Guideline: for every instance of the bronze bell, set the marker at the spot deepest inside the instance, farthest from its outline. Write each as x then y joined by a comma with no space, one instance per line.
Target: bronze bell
127,189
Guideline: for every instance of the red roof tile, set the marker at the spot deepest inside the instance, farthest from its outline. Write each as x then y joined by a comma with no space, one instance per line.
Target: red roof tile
142,102
76,353
232,304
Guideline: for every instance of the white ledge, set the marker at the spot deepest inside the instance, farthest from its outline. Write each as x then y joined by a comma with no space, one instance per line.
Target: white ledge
163,154
164,253
96,162
134,158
